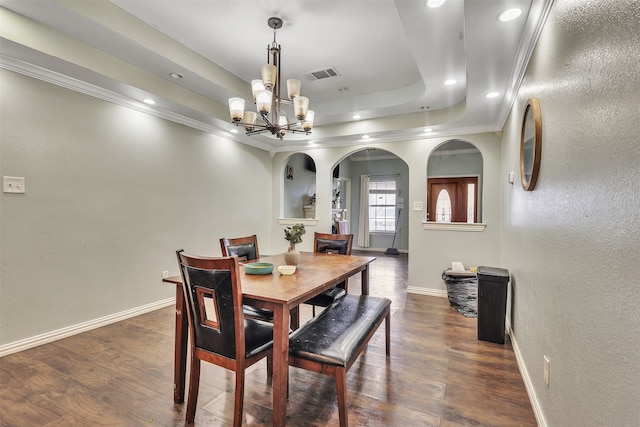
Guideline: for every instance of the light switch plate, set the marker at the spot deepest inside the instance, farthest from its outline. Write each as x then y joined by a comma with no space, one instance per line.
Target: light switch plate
13,184
511,177
417,206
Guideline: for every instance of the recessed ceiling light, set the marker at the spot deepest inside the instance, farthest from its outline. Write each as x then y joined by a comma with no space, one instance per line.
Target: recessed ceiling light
435,3
450,82
176,75
509,15
312,142
149,101
233,131
493,94
365,136
428,129
356,116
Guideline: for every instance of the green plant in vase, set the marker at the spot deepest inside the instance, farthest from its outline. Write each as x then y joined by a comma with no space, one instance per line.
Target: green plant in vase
293,235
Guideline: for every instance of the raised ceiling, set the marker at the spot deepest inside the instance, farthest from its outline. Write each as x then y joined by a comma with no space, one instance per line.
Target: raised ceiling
392,59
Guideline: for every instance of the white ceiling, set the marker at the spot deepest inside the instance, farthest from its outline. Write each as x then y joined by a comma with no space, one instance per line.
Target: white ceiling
392,57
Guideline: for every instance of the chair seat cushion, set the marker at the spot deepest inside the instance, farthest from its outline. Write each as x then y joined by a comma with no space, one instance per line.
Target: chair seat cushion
258,336
259,313
334,336
328,297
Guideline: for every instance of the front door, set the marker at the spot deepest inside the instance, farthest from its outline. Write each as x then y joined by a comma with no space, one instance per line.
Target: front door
452,199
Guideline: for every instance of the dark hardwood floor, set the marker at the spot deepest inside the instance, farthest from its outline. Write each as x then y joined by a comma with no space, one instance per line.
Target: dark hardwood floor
438,374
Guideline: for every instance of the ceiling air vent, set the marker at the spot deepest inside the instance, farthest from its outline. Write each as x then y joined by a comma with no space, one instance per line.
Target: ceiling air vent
322,74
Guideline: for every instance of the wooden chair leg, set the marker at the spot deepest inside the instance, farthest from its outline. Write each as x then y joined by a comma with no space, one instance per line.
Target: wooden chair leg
238,408
387,327
344,286
341,391
294,314
270,369
313,310
194,385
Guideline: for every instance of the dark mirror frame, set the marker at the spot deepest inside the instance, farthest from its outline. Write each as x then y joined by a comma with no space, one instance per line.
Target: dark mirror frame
530,144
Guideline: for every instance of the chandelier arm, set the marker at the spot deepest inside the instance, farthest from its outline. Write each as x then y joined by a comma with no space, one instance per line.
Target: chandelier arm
256,131
256,128
266,120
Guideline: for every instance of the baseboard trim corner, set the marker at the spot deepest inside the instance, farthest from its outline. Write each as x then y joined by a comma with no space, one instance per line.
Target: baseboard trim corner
48,337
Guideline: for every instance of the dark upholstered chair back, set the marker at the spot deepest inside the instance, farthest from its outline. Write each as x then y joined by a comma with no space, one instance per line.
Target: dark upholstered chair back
330,244
245,248
214,301
333,243
219,333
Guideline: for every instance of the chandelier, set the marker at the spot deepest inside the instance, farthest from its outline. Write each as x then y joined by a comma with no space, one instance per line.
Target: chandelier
266,97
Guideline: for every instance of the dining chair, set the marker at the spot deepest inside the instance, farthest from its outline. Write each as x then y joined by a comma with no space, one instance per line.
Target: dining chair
339,244
246,249
218,332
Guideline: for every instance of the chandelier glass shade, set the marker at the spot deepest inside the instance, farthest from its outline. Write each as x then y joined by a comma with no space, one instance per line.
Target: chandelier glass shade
269,116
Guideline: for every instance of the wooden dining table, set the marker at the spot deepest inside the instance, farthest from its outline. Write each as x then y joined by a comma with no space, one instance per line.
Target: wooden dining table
283,294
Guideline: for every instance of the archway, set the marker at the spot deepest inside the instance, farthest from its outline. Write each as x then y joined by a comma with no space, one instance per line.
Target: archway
299,178
381,213
454,183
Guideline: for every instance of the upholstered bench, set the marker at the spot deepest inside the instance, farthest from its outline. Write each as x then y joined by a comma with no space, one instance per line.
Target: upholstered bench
330,342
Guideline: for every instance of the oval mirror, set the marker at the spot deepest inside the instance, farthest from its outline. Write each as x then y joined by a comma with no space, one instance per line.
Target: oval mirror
530,144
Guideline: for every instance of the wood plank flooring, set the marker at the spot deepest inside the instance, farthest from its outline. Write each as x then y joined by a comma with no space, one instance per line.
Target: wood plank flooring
439,374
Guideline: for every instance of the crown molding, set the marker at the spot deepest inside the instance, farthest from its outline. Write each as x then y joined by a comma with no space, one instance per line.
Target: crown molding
535,23
30,70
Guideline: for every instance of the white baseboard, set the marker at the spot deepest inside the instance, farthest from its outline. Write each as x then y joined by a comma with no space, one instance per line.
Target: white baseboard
533,398
427,291
48,337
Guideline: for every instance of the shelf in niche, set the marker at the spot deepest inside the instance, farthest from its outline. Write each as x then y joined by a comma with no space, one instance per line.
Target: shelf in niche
293,221
453,226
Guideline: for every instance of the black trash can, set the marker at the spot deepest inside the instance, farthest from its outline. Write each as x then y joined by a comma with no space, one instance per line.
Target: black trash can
492,303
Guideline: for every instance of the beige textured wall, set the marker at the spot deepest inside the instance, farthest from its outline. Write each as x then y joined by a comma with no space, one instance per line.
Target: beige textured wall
111,194
572,245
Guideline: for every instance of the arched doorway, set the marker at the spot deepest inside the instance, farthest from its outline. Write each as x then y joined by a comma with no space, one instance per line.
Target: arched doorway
380,212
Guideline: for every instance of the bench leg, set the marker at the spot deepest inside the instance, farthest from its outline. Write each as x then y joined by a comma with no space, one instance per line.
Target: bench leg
341,390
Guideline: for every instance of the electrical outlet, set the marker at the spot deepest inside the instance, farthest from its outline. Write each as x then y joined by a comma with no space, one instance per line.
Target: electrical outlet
165,274
545,370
